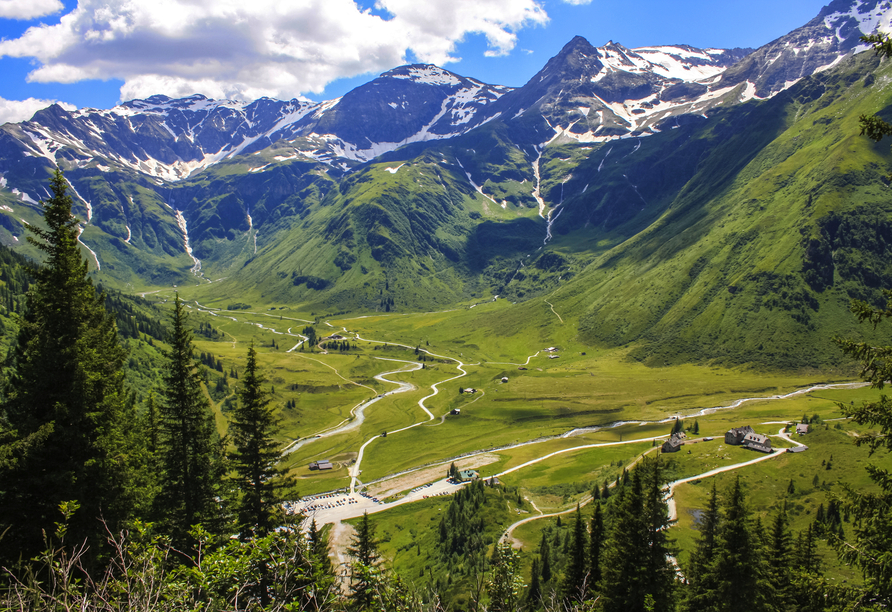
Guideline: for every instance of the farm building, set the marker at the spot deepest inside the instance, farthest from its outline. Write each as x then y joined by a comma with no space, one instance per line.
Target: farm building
468,475
757,442
455,411
324,464
675,442
801,428
735,436
797,449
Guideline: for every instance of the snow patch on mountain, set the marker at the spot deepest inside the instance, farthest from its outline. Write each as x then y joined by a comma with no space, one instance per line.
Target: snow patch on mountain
196,263
428,75
680,63
24,197
872,17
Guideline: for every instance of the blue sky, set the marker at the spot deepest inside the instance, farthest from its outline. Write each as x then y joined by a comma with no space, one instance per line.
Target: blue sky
97,52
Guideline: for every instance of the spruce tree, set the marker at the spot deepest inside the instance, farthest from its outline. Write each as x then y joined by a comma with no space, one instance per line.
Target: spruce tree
71,429
575,584
254,460
318,547
190,445
545,555
534,592
625,556
364,550
152,424
738,565
779,558
636,574
806,555
701,590
596,546
321,573
659,572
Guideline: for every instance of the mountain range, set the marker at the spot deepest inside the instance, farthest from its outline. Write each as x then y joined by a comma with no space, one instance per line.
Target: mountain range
695,203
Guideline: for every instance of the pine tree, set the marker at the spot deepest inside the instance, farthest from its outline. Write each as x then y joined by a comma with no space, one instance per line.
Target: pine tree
545,555
71,427
254,460
624,559
534,592
364,550
596,546
779,557
701,594
636,574
738,564
190,445
575,584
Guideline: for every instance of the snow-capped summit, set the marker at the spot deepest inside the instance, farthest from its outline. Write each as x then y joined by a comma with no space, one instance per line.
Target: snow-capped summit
427,74
589,93
818,45
407,104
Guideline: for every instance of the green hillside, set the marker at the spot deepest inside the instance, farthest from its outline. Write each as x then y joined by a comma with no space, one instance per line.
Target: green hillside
740,238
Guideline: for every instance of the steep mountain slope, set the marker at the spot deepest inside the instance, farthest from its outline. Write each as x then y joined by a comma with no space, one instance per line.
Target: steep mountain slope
785,218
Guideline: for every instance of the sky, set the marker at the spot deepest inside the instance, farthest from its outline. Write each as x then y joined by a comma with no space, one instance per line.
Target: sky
98,53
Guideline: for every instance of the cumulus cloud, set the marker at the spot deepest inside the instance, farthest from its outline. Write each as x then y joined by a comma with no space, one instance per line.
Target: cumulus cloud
14,111
244,50
28,9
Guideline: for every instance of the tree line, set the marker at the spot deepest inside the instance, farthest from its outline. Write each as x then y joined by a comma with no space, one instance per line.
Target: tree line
76,450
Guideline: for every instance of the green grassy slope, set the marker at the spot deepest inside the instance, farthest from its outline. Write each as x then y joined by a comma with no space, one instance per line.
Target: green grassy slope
728,271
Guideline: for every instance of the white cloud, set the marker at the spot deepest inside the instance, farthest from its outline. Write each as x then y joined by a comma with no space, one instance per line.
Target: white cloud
28,9
244,50
578,2
14,111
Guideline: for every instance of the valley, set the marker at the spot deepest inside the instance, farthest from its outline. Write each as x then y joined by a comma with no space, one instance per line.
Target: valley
564,424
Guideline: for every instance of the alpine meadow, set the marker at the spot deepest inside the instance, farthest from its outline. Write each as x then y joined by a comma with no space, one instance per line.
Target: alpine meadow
615,339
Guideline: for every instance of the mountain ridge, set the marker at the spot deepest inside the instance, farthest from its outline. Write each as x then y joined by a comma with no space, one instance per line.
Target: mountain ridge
423,188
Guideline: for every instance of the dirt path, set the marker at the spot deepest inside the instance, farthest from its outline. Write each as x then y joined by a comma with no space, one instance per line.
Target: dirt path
339,539
584,501
554,311
356,469
357,413
576,448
